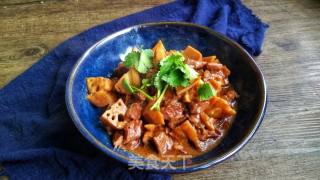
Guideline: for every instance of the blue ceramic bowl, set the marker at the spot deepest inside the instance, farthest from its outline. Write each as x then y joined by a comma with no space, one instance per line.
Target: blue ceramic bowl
103,57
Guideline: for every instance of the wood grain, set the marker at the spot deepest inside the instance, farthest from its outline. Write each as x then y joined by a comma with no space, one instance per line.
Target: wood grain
287,145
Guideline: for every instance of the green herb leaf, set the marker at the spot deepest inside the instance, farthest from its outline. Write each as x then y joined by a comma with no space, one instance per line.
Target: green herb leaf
146,83
133,89
172,72
145,61
126,84
157,82
175,72
132,59
206,92
141,60
176,78
157,104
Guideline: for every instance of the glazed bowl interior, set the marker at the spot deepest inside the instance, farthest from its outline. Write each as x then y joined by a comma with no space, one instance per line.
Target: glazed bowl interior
102,58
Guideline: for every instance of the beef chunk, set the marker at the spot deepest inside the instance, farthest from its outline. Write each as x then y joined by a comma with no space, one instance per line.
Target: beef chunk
213,66
196,64
163,143
198,107
175,122
133,144
134,111
207,76
139,96
206,134
173,109
117,139
179,148
132,130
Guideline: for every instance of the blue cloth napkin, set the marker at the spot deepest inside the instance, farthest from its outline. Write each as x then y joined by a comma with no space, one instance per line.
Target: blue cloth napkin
38,140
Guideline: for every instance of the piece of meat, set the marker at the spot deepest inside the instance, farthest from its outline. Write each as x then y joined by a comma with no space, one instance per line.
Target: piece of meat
195,121
225,122
109,130
206,134
134,111
196,64
213,66
163,143
175,122
229,94
207,76
225,71
179,148
128,99
133,144
198,107
172,109
140,96
132,130
217,67
117,139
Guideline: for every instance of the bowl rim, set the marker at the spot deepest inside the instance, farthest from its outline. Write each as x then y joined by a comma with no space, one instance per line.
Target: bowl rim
200,166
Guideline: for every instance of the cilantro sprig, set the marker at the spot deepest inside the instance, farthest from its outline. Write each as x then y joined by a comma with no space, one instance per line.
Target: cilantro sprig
133,89
173,72
157,104
141,60
146,83
206,92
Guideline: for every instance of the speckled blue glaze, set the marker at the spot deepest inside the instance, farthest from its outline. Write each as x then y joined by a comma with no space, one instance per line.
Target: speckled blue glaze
102,58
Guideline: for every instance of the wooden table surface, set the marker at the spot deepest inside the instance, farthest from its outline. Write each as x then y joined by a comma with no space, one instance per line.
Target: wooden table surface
287,145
